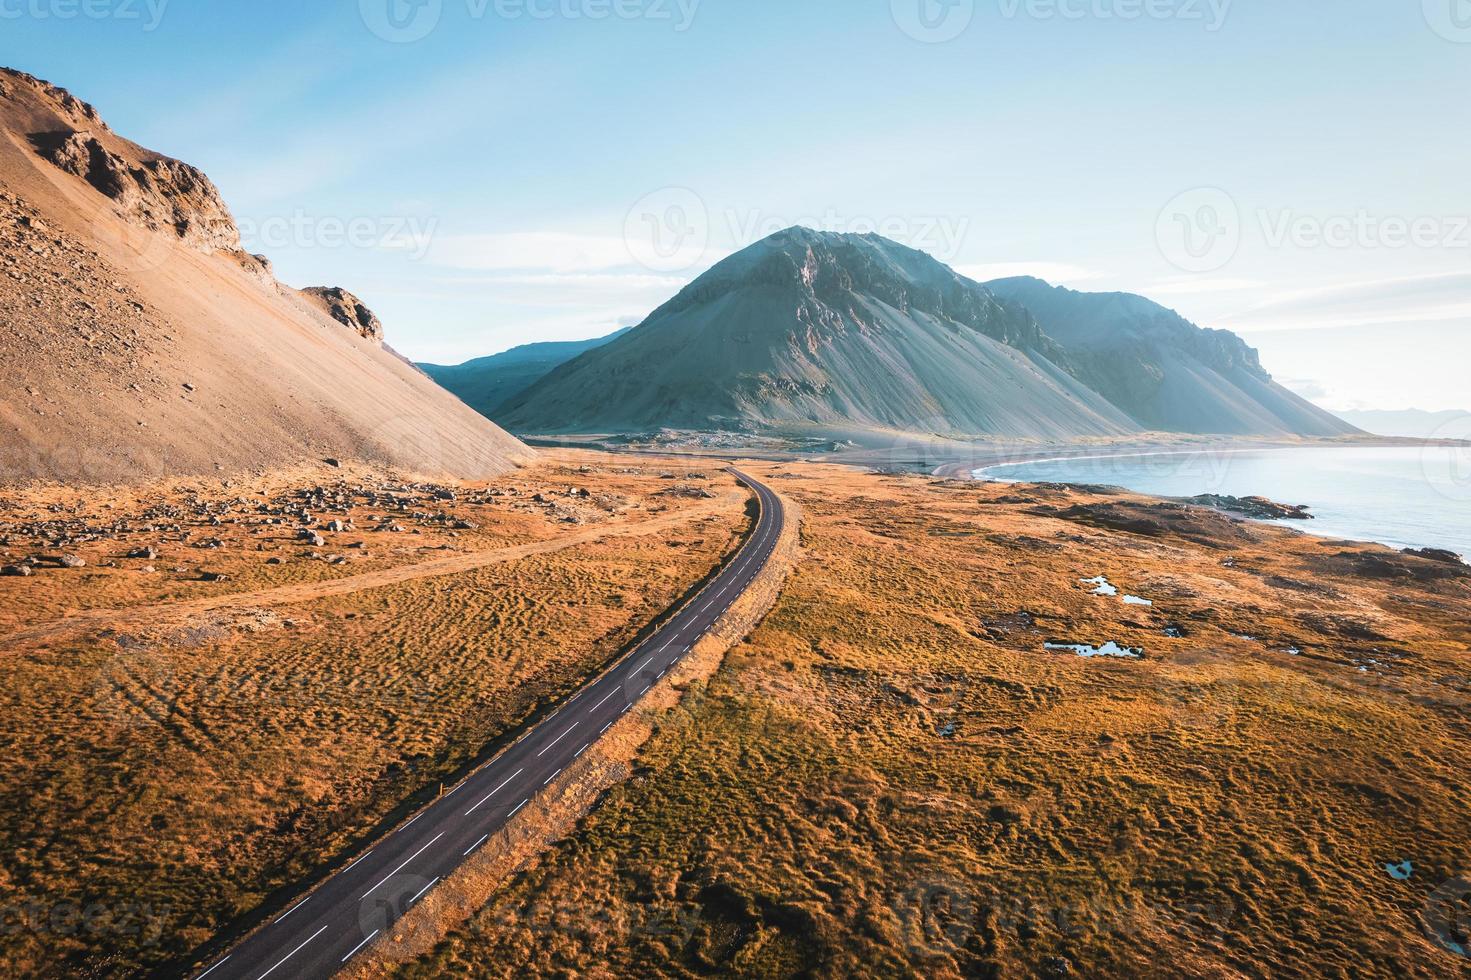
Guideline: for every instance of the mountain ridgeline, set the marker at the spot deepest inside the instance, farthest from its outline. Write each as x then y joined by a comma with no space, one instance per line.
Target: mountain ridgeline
486,383
855,335
141,340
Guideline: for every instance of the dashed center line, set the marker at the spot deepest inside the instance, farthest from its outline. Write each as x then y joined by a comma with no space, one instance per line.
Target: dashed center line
401,866
494,791
291,954
558,738
359,946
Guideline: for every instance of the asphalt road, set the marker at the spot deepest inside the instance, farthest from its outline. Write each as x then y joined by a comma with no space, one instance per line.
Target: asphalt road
342,916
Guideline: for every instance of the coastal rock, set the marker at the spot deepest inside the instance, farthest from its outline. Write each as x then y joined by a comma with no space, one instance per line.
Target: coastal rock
1435,554
1258,508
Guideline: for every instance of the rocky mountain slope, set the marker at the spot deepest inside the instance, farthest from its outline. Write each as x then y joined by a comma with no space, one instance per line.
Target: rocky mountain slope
816,332
1165,372
140,340
486,383
856,335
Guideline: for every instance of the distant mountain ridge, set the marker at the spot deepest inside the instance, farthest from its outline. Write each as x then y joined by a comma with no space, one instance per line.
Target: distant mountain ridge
823,332
1168,374
1413,423
486,383
814,331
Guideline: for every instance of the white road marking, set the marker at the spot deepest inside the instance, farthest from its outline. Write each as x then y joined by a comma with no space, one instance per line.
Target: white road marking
582,750
452,792
401,866
477,844
359,946
423,890
411,822
494,791
518,808
556,740
291,954
293,909
606,727
643,665
605,699
356,863
554,776
213,968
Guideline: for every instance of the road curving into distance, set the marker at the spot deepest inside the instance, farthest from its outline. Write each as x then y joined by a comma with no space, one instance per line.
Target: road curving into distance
342,917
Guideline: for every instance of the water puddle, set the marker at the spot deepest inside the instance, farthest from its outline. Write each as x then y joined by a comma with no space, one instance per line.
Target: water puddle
1102,586
1109,649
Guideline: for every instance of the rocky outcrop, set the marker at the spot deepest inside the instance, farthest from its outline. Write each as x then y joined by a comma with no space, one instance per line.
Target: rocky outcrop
347,310
1257,508
157,194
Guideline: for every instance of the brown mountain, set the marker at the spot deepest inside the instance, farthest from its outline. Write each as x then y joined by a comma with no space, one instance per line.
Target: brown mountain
139,340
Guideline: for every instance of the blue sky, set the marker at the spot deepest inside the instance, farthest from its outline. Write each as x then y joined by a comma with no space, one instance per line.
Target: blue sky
491,172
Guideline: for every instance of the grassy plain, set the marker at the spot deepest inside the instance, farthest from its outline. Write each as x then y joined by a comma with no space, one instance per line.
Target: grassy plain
894,777
187,733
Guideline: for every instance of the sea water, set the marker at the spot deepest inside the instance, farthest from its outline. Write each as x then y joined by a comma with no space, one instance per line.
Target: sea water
1414,497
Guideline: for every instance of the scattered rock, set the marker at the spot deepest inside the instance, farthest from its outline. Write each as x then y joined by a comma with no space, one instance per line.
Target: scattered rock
149,553
1258,508
1435,554
16,571
213,577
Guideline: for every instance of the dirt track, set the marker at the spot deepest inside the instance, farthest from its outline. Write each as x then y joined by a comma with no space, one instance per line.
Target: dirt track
309,591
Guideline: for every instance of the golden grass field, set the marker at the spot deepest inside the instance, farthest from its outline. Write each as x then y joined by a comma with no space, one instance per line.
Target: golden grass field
176,750
893,777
